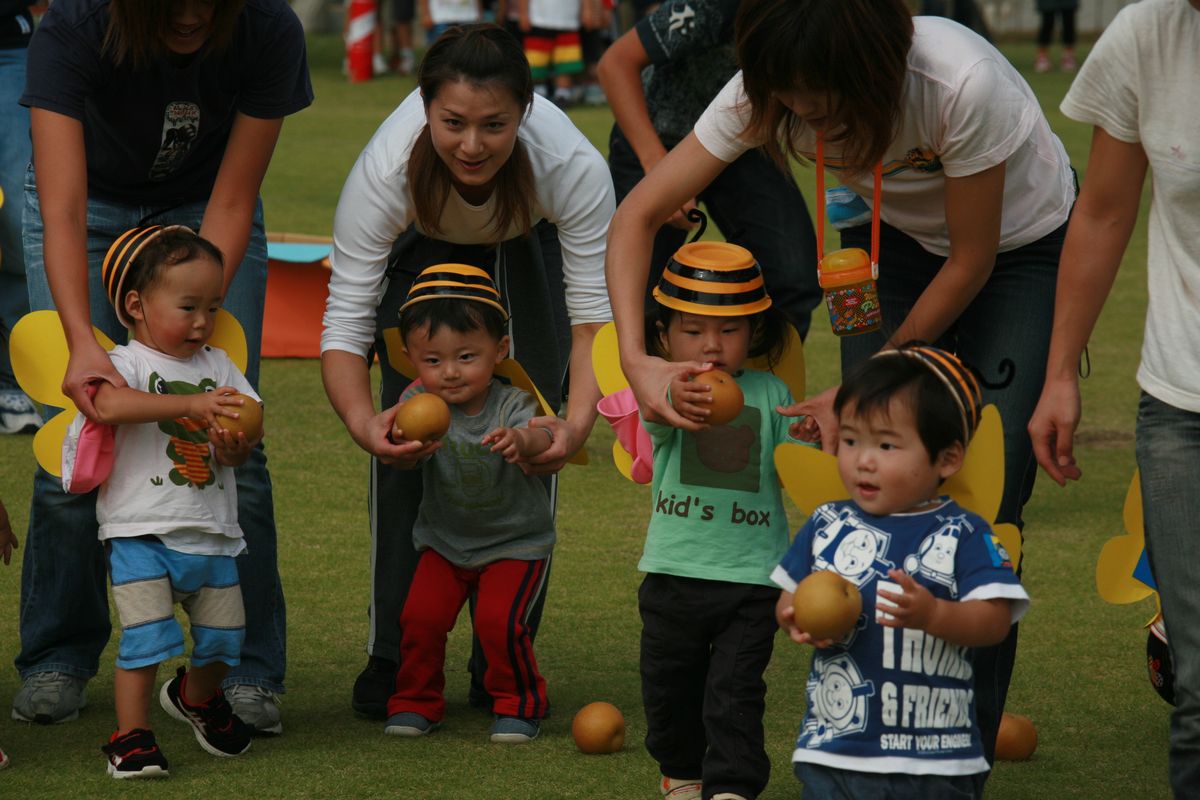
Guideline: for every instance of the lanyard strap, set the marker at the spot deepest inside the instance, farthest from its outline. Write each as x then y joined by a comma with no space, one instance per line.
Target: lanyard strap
878,193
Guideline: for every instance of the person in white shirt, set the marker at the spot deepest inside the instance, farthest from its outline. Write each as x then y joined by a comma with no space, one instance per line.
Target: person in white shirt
976,191
1136,89
461,172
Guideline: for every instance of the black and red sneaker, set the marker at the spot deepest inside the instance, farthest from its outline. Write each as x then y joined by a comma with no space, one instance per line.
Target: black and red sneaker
217,728
135,755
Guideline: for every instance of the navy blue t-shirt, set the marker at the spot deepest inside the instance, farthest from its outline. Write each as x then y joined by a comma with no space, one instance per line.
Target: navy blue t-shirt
156,136
888,699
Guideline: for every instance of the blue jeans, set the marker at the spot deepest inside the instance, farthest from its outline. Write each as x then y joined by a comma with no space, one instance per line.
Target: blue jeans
1009,319
64,602
827,783
14,157
756,205
1168,458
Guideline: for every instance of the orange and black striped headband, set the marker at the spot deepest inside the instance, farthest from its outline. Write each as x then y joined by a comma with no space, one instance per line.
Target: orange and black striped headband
713,278
954,375
120,257
454,281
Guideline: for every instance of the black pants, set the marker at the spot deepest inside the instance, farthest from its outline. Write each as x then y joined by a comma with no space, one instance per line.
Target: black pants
705,645
1046,31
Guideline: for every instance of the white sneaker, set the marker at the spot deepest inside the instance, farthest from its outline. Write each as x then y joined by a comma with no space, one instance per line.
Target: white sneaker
18,414
256,706
379,64
407,62
49,697
681,788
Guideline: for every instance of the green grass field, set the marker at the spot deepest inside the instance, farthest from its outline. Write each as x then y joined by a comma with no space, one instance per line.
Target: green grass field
1080,671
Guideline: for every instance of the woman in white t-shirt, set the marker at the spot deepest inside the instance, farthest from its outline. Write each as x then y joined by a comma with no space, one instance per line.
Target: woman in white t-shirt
976,194
463,171
1138,89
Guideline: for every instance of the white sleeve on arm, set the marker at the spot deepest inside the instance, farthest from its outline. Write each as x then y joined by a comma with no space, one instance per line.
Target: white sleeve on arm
1104,92
579,200
720,127
985,120
374,209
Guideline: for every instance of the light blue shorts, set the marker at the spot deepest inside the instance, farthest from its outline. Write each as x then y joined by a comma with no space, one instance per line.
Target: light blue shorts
148,579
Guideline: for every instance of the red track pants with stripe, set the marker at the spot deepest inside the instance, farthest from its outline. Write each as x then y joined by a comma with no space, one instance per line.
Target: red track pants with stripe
504,592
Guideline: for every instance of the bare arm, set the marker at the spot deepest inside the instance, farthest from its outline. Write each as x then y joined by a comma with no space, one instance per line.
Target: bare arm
60,164
230,210
970,623
125,406
348,386
583,393
685,171
1097,236
620,73
973,208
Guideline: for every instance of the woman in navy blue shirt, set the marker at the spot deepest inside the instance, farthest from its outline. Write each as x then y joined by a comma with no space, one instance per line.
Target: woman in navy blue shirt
147,112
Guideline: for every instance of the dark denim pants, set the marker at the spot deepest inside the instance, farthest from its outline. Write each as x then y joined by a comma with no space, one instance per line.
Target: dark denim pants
1010,319
756,205
14,158
828,783
1168,458
64,600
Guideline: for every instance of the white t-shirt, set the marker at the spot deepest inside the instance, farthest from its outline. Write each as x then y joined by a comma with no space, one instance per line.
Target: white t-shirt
449,12
965,109
554,15
1141,83
574,191
165,481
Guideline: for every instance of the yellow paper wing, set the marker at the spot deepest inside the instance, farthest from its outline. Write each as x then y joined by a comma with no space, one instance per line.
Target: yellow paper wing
790,368
38,347
809,476
979,485
48,441
1120,555
622,460
230,337
606,361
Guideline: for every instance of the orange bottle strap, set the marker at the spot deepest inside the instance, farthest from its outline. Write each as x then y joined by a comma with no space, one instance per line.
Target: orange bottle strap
877,196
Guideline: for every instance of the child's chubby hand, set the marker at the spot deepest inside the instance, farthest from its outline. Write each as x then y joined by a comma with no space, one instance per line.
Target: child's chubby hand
231,449
504,442
785,616
8,539
912,607
204,406
409,453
